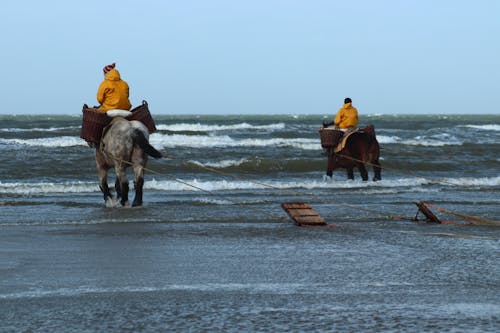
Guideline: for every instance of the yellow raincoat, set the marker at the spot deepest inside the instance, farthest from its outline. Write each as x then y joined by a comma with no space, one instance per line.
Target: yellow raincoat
346,117
113,92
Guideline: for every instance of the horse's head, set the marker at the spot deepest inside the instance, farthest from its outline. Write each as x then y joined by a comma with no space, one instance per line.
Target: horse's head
369,130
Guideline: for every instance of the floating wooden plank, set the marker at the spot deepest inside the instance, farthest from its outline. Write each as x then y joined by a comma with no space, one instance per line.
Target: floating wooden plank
422,207
302,213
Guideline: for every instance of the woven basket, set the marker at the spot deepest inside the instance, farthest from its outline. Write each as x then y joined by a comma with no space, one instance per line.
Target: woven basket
141,113
329,137
93,123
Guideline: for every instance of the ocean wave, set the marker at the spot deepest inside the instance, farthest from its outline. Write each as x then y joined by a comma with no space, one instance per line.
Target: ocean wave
47,188
281,288
38,129
60,141
230,185
220,141
491,127
182,127
226,185
433,141
211,141
221,164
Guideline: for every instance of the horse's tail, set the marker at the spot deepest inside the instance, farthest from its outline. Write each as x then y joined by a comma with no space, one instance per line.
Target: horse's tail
141,140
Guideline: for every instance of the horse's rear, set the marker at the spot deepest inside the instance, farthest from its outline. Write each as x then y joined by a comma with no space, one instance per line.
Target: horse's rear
124,144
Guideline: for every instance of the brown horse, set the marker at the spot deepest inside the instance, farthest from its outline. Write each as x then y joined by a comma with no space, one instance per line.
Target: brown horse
361,147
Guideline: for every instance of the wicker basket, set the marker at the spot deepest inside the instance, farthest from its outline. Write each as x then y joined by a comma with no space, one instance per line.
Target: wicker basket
93,123
141,113
329,137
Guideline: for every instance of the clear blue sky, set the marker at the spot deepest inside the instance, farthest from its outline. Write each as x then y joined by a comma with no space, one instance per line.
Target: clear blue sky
256,56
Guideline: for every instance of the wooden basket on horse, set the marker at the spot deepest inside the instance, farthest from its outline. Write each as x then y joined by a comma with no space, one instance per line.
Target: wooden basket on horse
93,123
329,137
141,113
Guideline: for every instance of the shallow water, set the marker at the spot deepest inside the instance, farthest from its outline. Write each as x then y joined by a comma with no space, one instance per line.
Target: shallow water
250,277
230,259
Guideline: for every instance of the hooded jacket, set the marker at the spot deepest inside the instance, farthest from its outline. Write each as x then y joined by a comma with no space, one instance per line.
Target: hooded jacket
113,92
346,117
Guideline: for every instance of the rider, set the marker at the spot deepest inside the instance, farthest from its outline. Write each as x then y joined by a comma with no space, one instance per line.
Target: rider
346,119
113,92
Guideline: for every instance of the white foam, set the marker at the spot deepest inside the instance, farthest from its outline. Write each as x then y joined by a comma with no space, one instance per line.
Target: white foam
211,128
48,187
210,141
221,164
38,129
490,127
230,185
83,290
432,141
60,141
225,185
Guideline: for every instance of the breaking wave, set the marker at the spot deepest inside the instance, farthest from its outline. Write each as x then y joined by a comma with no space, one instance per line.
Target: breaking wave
18,188
185,127
491,127
209,141
60,141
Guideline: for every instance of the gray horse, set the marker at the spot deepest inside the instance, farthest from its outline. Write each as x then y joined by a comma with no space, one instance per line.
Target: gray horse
125,143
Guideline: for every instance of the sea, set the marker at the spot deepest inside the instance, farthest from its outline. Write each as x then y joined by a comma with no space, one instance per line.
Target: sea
212,250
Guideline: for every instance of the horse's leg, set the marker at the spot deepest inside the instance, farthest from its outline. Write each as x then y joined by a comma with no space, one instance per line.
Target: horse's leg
138,185
377,171
102,172
350,173
331,163
363,172
118,188
103,185
123,184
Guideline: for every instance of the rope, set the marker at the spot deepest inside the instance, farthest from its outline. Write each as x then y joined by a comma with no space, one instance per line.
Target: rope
312,196
197,187
471,218
392,216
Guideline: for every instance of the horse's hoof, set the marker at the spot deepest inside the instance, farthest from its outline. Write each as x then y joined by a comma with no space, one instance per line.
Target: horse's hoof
110,202
327,179
136,203
376,179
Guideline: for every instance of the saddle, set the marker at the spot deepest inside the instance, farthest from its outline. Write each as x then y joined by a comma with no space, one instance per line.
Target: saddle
343,139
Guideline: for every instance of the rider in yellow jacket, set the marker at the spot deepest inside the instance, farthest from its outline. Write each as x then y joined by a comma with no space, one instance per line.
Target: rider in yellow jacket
113,92
347,116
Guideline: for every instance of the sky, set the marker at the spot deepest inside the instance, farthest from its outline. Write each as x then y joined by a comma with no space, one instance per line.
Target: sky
254,57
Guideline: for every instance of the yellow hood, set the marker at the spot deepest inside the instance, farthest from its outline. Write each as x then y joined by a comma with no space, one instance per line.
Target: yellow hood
113,75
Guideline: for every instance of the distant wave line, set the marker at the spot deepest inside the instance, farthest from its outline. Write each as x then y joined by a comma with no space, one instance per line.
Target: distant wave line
38,129
198,127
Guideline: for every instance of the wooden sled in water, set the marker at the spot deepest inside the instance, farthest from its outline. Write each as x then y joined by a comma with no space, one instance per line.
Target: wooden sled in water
94,121
303,214
430,217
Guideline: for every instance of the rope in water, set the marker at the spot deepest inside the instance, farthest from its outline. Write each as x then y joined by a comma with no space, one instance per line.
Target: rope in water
470,218
392,216
225,197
